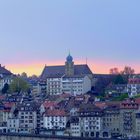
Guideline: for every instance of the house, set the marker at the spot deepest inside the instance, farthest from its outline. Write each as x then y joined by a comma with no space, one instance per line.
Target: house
133,86
90,118
13,125
5,76
128,111
111,121
75,127
55,119
28,116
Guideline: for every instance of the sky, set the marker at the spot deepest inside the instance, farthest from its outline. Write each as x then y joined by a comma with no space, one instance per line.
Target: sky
35,33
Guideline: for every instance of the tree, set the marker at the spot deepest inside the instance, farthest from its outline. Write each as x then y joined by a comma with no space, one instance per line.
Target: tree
24,75
19,85
119,79
128,70
114,71
5,88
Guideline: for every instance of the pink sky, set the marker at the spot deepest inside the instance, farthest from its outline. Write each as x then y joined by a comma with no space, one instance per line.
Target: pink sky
96,66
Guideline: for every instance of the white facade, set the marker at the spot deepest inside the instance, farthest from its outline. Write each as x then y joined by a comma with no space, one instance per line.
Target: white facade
76,85
133,86
3,81
90,126
6,115
133,89
55,122
72,85
75,129
13,125
54,86
27,121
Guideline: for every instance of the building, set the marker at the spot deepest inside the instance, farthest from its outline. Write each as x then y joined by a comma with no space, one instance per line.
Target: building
133,86
116,90
90,118
13,125
111,121
75,127
5,76
39,88
138,124
128,111
28,117
68,78
55,119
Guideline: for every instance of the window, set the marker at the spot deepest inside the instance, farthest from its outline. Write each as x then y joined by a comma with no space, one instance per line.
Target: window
30,121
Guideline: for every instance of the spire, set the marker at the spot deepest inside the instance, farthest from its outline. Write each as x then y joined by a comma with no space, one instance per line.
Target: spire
69,58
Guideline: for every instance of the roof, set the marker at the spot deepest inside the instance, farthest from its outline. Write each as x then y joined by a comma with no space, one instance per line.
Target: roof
55,112
49,104
89,108
59,71
8,105
28,106
129,104
101,105
4,71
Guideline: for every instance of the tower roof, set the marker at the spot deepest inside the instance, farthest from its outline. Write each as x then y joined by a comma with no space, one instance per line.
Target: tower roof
69,58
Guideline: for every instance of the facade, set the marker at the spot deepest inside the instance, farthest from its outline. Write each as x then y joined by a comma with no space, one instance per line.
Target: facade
75,127
138,125
90,118
54,85
128,118
68,78
55,119
111,121
27,114
5,76
39,88
13,125
133,86
76,85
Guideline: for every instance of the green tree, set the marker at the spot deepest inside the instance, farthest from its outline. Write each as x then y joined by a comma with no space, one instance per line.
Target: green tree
19,85
119,79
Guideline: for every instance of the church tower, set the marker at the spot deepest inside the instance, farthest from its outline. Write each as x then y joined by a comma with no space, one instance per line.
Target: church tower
69,66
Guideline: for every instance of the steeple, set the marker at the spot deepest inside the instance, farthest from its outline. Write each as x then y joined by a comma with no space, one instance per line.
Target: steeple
69,58
69,65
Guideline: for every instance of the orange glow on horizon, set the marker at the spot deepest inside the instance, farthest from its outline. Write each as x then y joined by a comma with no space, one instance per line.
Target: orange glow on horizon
37,67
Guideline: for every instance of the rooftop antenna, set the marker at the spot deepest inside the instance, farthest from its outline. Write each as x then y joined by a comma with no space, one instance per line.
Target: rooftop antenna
86,61
69,52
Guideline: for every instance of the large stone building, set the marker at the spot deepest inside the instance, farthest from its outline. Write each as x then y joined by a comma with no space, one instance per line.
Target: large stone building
68,78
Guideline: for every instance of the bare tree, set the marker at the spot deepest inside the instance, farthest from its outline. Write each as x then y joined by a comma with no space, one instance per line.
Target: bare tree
114,71
128,70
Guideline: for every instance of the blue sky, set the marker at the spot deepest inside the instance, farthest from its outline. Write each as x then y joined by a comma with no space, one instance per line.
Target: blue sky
104,31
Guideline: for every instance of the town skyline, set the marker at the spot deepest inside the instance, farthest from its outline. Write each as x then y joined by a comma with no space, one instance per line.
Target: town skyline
36,33
37,68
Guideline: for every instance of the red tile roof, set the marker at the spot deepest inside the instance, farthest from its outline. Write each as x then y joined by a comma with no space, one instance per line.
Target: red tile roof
49,104
8,105
55,112
101,105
